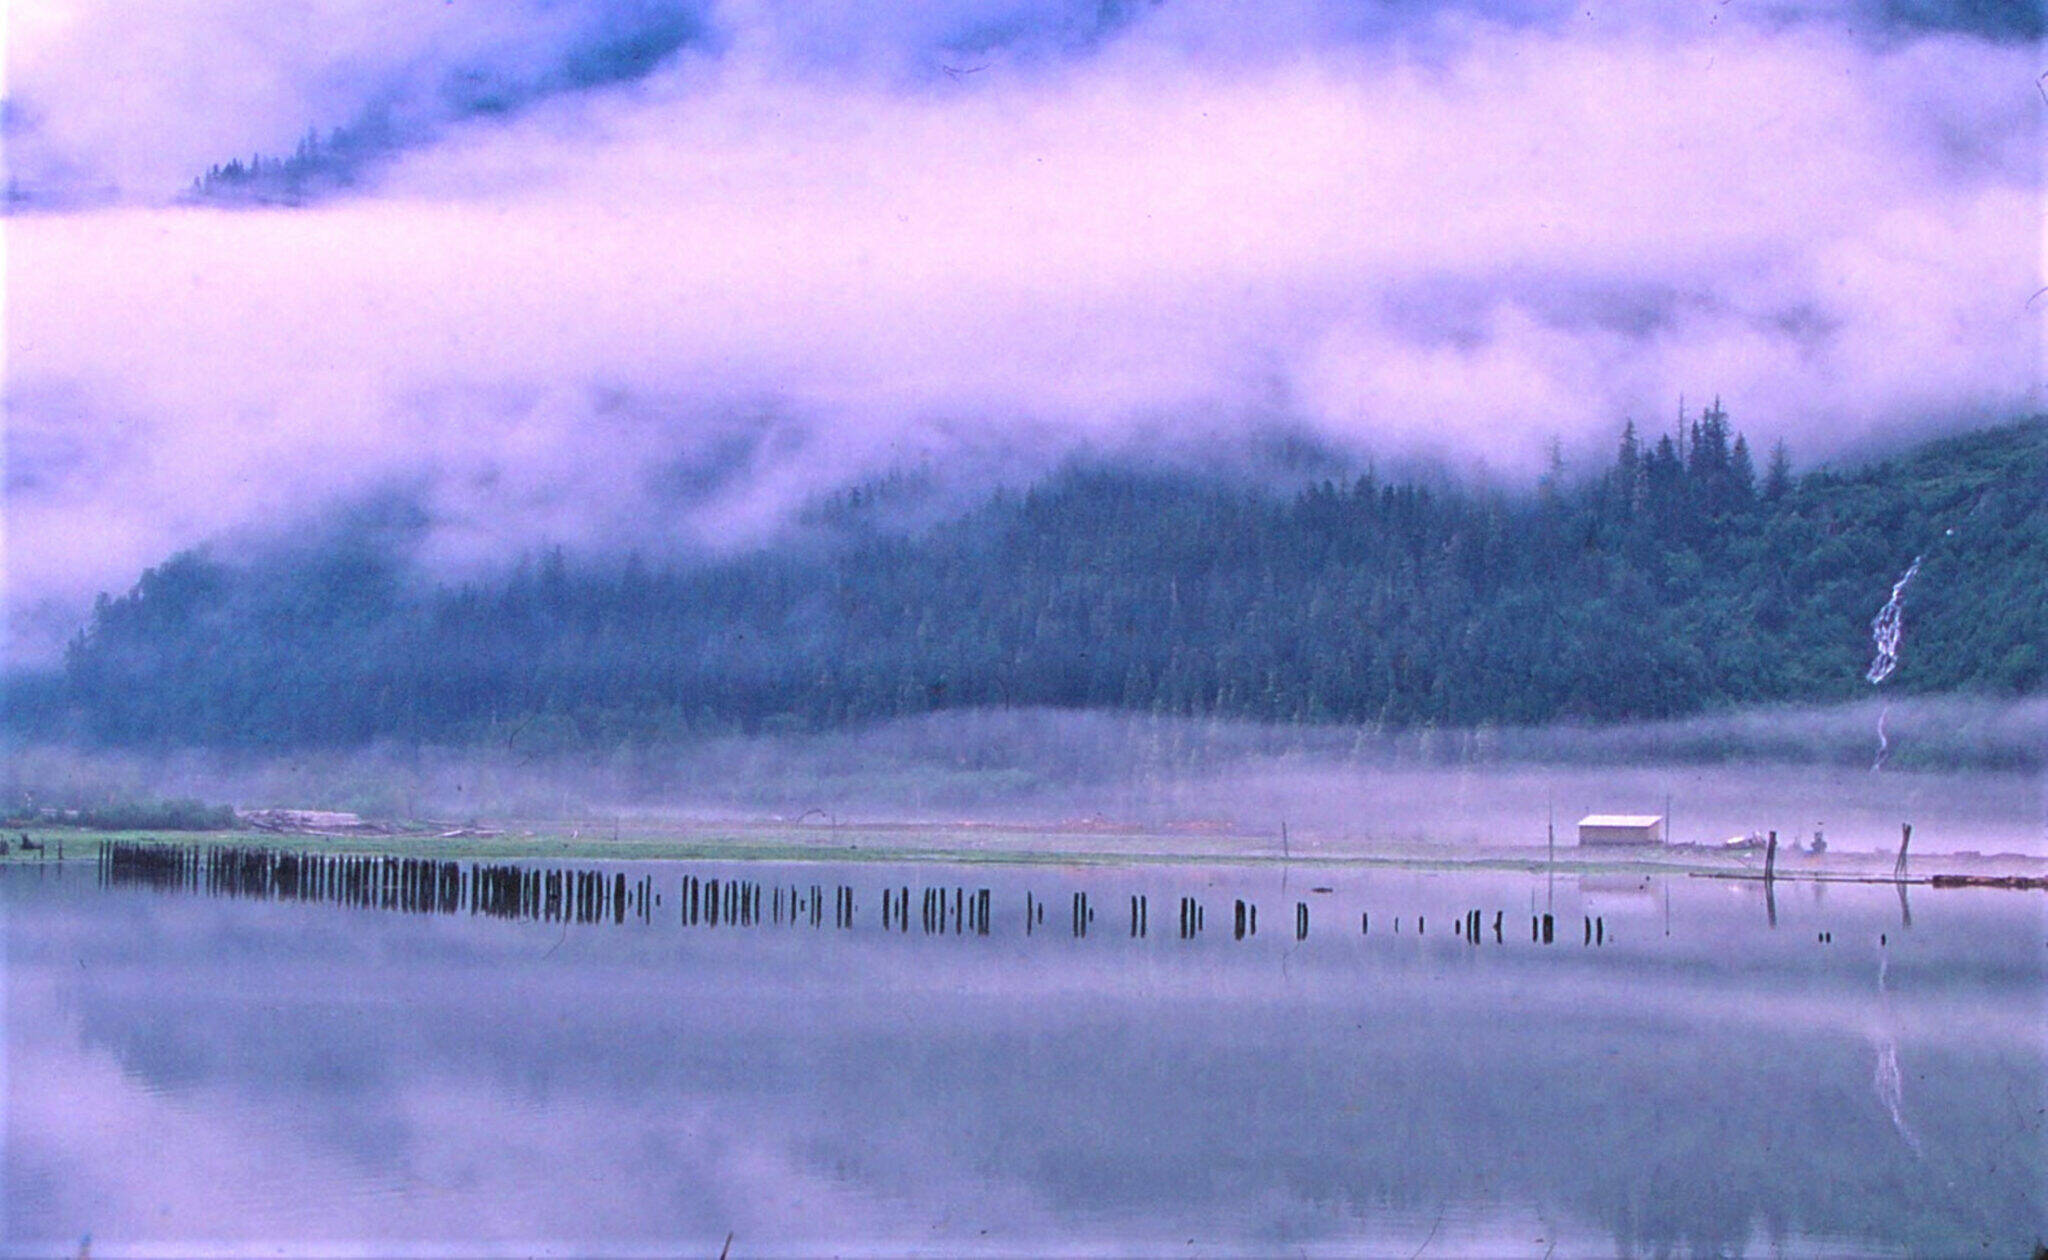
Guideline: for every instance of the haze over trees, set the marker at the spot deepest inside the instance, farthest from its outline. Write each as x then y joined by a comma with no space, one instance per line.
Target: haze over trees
1681,577
319,165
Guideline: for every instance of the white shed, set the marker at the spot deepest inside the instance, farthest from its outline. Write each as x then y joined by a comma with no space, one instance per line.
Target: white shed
1621,829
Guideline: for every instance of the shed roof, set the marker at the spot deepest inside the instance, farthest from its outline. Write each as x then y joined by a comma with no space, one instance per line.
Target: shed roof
1621,820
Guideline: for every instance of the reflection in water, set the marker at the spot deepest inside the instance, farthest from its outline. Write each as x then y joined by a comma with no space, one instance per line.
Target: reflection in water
412,885
1889,1082
594,896
250,1074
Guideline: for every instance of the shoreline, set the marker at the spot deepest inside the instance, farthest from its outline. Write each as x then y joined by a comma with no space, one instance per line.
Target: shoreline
991,844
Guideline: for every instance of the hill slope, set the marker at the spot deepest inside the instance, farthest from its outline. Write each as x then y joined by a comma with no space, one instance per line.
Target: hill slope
1675,581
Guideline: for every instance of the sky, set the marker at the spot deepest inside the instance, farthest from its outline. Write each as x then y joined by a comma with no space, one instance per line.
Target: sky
610,273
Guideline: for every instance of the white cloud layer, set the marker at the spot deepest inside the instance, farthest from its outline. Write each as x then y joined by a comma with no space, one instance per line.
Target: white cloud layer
667,311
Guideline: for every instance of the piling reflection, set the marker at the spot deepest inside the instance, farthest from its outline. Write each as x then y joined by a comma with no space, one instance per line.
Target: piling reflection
594,896
371,1079
410,885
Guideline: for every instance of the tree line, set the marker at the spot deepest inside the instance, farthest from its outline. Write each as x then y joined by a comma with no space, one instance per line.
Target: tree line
1677,579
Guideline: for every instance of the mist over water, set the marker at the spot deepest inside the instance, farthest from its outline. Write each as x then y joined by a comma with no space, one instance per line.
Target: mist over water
1968,774
687,280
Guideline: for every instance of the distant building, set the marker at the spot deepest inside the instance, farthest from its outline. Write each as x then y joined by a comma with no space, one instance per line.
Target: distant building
1621,829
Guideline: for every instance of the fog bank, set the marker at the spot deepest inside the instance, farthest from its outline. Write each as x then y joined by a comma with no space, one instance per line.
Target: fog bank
1968,775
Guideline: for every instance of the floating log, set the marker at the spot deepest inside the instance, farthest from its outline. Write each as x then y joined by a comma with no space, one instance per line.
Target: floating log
1985,881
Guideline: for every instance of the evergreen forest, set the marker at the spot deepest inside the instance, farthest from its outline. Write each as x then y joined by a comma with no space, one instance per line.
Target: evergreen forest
1678,578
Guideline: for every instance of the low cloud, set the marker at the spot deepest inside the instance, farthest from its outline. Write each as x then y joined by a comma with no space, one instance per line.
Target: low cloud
666,310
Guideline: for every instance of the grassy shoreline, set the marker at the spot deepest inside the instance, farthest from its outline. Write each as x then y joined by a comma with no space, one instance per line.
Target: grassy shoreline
996,845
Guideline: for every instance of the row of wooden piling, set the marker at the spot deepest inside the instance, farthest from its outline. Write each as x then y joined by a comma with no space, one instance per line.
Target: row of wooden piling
732,902
592,896
940,911
745,903
149,865
562,896
418,885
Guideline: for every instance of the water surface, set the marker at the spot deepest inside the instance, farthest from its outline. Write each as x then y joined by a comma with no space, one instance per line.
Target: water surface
188,1074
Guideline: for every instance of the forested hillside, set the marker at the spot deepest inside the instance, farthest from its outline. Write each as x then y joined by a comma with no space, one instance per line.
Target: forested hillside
1679,578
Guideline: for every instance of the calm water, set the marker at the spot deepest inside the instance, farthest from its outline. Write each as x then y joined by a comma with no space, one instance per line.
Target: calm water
191,1074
